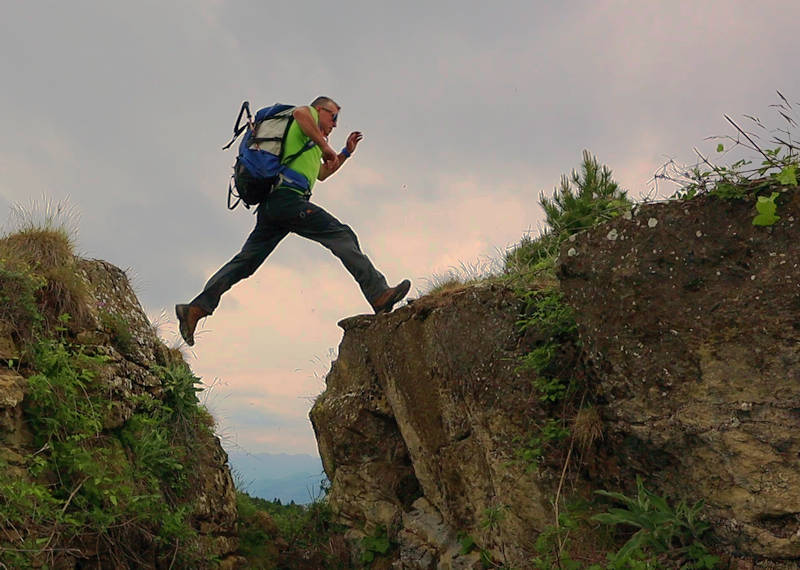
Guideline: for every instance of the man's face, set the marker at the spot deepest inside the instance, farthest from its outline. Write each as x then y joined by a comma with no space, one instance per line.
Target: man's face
328,114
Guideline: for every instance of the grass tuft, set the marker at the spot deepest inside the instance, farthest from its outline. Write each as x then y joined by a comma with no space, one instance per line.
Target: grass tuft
588,427
461,276
42,249
38,269
44,214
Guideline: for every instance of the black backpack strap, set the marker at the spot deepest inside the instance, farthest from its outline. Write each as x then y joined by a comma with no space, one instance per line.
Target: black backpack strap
231,194
308,146
238,127
233,189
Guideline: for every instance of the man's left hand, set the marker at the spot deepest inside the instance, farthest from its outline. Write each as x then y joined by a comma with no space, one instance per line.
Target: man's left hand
353,140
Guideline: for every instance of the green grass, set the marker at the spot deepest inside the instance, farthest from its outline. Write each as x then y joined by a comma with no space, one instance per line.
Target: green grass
461,276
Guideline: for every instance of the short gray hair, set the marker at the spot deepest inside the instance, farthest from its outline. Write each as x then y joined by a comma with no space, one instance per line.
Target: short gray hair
322,100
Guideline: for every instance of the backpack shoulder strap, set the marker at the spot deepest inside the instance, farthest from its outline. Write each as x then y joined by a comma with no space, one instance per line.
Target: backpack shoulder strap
238,127
308,146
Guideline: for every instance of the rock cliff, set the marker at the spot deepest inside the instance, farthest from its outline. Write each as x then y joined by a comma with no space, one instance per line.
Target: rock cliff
690,316
688,334
101,466
417,426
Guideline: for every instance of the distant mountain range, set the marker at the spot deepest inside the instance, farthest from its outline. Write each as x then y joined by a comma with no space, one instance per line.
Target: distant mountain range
278,475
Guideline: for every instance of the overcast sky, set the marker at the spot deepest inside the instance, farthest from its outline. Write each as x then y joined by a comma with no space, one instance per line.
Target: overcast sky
469,110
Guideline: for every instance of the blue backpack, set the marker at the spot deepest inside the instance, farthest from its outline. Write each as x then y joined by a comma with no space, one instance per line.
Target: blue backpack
260,165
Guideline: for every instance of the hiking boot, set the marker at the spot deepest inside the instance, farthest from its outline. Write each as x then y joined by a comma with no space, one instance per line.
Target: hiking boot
384,303
188,315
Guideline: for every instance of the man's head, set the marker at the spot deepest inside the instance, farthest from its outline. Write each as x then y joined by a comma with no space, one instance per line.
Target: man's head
328,111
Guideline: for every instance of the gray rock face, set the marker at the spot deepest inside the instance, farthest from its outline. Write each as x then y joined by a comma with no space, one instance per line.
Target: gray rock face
427,402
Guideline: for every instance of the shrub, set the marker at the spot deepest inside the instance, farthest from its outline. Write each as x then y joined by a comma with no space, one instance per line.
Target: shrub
662,530
180,396
584,199
761,171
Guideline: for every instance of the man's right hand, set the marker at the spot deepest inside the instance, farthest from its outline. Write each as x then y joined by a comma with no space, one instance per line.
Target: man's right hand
329,157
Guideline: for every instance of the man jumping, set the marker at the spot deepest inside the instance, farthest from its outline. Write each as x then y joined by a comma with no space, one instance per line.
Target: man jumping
288,209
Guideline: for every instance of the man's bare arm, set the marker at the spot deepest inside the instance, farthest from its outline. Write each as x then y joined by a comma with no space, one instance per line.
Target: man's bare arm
305,120
352,142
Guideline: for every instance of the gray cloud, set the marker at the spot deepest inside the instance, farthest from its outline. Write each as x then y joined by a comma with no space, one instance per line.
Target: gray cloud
124,108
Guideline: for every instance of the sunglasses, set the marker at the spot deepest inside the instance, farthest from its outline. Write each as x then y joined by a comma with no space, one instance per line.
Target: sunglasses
334,115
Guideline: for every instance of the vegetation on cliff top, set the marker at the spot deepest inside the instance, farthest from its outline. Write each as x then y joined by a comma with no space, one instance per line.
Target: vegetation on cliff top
74,483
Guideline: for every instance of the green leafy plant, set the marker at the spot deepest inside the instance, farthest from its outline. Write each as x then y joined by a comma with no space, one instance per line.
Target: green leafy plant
552,320
155,458
467,543
760,166
374,545
60,404
661,529
180,393
87,480
766,210
787,176
532,451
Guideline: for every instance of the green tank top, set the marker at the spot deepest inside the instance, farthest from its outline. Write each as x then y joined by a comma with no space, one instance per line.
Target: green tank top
309,162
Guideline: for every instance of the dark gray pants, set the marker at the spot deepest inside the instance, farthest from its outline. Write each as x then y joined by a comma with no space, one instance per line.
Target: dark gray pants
283,212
